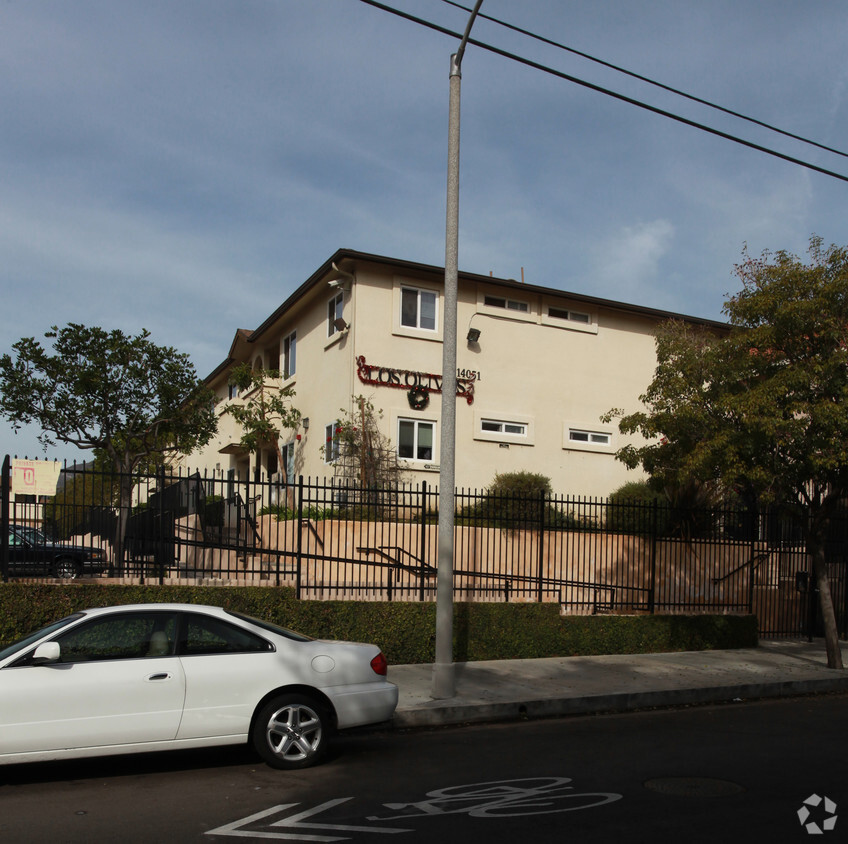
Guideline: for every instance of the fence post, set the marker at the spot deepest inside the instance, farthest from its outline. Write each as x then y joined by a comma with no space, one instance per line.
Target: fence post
654,530
299,523
751,577
161,551
6,491
541,552
422,544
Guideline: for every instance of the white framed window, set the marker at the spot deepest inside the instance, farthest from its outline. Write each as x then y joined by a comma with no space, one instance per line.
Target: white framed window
571,319
496,426
503,306
568,315
332,443
502,428
507,304
418,308
579,437
288,356
416,439
575,435
335,310
287,451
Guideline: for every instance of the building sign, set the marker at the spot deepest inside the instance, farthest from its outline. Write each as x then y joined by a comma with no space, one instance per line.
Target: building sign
35,477
406,379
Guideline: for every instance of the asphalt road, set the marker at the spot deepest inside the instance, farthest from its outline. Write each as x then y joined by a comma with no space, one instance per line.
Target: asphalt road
738,772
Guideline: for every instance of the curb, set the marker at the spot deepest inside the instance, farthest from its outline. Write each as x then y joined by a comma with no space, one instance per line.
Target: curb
475,713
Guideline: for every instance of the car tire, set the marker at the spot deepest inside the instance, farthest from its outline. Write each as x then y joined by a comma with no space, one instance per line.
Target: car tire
291,731
66,569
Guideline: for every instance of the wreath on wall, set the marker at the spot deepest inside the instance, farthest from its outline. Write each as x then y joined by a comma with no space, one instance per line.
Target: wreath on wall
418,397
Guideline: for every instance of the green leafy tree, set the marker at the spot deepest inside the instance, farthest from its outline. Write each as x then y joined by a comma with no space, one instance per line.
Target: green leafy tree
762,409
265,412
122,396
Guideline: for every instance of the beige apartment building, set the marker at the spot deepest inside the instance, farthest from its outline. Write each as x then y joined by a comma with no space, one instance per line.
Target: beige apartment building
537,369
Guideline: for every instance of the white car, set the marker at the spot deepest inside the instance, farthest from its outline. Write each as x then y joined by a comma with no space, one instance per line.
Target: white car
152,677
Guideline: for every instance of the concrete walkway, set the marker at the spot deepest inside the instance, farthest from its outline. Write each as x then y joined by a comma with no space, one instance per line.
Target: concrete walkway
511,689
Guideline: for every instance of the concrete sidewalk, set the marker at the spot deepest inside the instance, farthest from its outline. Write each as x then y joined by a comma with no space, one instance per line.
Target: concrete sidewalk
510,689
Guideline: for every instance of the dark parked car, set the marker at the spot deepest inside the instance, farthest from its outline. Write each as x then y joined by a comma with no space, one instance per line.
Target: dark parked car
31,553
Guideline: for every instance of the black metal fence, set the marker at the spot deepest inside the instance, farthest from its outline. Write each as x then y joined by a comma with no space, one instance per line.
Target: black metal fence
331,539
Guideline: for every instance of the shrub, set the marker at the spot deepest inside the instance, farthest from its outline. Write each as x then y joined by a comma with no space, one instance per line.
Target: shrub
512,501
633,507
405,631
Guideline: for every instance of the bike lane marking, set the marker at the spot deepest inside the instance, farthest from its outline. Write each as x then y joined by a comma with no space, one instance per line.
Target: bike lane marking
497,799
236,829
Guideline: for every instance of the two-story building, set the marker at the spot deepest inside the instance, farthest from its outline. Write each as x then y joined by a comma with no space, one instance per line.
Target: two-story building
537,369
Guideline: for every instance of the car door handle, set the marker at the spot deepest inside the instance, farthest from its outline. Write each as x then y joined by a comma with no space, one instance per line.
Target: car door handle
155,677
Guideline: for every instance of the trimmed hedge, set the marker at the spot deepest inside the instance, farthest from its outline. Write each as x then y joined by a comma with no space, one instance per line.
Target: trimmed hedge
405,631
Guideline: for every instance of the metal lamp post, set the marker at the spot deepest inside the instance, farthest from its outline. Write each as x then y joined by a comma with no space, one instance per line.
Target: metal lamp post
444,684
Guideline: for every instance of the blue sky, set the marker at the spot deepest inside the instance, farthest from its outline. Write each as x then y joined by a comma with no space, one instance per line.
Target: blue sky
183,165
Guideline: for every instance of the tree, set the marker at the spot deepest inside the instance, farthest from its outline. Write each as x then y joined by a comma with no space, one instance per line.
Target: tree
120,395
763,409
265,412
364,459
365,453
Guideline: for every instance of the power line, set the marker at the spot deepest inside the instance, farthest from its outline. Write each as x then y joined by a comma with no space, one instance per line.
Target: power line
600,90
653,82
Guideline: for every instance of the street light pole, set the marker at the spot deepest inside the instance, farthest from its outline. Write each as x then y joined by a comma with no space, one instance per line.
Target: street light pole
444,685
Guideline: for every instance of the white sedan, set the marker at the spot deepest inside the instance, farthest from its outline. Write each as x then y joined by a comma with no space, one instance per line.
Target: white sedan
165,676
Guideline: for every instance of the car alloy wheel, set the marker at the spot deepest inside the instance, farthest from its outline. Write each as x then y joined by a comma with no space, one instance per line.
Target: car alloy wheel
65,569
291,732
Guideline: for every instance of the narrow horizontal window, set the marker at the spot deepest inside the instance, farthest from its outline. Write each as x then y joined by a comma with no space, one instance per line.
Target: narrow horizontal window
594,437
495,426
507,304
571,316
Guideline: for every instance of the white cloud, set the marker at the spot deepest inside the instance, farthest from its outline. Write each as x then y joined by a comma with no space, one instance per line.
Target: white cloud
631,257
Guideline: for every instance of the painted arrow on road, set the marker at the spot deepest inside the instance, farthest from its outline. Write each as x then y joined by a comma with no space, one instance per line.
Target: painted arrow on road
297,822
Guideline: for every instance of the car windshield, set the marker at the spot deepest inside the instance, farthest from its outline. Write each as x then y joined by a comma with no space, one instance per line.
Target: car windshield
272,628
38,634
30,534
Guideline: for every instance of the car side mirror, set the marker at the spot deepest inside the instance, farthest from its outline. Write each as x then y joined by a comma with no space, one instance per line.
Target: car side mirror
46,653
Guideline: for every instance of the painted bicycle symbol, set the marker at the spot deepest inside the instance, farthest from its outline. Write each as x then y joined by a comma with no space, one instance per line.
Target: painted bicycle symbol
498,799
501,799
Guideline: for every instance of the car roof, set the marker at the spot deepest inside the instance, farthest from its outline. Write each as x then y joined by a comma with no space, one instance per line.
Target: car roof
165,607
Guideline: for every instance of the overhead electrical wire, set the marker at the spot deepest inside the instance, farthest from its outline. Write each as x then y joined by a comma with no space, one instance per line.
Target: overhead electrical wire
650,81
599,89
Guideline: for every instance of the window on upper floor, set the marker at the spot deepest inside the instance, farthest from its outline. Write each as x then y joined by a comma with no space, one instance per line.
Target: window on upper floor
570,316
506,304
288,358
418,308
335,310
